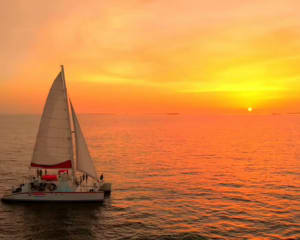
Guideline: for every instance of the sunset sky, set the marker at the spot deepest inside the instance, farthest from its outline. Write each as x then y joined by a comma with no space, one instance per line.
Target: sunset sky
152,56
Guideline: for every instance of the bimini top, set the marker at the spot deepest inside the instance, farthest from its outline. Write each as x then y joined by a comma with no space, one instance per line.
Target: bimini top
49,177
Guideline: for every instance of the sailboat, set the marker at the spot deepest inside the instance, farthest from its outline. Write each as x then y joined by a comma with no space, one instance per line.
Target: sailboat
60,176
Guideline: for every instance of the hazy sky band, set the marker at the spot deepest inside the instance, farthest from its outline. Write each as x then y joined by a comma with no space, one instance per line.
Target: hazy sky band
152,56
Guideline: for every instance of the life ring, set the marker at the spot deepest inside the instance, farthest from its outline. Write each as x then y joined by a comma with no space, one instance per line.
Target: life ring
52,187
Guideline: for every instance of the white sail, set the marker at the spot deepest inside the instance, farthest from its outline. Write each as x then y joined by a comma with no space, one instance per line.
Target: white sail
83,158
53,147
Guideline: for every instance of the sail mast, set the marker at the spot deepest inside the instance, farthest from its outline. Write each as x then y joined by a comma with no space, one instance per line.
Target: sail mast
75,132
69,120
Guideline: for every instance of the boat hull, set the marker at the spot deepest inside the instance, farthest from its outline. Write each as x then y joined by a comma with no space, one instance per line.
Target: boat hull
55,197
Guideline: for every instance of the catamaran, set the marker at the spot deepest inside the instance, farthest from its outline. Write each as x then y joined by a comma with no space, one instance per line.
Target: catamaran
65,177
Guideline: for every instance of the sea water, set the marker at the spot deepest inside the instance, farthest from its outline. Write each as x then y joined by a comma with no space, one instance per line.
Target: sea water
173,176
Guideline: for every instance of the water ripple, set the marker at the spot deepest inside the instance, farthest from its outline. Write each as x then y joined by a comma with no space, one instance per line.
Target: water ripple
173,178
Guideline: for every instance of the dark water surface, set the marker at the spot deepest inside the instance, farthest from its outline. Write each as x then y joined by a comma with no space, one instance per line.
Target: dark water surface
174,177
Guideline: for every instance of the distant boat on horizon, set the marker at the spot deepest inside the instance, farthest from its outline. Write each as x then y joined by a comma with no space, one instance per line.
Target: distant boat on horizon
173,113
53,152
294,113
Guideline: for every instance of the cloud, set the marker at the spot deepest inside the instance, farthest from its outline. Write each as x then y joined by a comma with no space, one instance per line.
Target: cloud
174,46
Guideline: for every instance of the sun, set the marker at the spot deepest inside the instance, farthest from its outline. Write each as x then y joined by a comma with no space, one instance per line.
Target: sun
250,109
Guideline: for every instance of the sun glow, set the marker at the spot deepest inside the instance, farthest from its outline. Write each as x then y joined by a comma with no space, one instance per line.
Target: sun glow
121,70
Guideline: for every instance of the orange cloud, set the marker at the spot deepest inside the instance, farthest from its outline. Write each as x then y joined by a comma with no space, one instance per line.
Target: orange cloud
152,56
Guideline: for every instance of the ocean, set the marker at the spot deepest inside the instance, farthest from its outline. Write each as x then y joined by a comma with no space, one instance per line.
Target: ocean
173,177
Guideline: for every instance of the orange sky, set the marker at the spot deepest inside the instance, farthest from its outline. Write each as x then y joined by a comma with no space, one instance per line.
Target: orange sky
151,56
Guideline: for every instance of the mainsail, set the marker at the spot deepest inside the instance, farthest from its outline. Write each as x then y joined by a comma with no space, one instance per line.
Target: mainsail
83,158
53,147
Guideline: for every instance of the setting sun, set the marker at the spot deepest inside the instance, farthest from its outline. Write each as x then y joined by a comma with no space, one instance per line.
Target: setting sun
123,69
250,109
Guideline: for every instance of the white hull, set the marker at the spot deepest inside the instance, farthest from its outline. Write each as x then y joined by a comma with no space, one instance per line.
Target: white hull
55,197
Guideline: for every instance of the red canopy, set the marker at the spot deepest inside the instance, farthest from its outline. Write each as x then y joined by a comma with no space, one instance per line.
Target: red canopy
49,177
